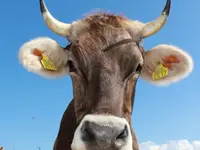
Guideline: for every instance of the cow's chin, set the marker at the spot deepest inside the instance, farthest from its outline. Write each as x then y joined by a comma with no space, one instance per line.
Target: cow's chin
102,132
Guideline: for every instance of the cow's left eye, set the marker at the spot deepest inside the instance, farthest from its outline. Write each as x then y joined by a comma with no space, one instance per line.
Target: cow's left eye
71,66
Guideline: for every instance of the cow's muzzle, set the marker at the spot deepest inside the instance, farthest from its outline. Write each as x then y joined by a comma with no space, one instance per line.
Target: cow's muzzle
102,132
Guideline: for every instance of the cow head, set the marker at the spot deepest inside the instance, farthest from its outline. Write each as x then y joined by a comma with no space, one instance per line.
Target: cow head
105,59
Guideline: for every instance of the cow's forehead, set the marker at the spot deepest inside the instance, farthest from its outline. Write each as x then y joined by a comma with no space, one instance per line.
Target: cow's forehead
105,21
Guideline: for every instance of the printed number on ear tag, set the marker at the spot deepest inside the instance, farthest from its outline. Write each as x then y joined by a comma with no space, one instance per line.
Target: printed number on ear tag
160,72
47,64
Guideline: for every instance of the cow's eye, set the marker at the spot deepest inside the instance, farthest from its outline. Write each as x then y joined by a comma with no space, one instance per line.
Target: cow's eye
139,69
71,66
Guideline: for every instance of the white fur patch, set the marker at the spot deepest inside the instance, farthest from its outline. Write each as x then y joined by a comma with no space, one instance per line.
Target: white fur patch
51,49
135,27
80,26
76,29
103,120
180,70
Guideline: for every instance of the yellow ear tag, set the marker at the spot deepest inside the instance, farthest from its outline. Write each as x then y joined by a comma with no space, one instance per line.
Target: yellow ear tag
160,72
47,64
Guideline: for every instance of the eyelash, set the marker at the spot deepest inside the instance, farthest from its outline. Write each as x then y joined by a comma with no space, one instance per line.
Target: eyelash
139,69
71,66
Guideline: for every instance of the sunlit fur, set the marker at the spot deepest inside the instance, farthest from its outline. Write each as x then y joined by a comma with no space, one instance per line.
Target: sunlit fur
99,20
51,49
180,70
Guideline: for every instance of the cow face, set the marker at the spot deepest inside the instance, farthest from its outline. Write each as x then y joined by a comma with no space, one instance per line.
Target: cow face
103,87
104,60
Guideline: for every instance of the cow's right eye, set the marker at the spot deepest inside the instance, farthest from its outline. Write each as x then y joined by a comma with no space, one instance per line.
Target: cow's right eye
139,69
71,66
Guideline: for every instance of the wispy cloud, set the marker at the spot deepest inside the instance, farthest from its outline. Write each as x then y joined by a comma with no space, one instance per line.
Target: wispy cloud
171,145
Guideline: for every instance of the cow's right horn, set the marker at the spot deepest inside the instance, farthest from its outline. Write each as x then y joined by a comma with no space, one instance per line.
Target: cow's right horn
56,26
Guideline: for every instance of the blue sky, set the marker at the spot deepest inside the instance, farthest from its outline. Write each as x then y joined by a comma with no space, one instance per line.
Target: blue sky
161,114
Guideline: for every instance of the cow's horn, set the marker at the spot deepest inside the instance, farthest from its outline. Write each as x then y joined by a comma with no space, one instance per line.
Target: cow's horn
152,27
56,26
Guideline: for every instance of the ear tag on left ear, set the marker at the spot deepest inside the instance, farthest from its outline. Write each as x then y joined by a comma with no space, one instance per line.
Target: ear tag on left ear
160,72
47,64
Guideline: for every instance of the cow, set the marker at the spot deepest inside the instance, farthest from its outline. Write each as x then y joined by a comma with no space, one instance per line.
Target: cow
104,59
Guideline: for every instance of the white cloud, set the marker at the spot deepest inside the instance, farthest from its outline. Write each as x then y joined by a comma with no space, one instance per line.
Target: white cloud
171,145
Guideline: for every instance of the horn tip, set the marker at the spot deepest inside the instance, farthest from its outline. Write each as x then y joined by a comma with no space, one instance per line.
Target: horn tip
43,8
166,10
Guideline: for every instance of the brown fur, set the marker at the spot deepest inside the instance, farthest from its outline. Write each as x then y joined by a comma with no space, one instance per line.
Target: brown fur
90,60
67,128
105,19
68,123
100,21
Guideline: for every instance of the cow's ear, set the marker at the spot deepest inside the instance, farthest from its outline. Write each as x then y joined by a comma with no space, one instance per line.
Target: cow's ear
44,57
166,64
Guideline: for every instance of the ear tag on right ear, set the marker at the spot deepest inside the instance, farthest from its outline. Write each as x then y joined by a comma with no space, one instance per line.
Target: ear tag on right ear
47,64
160,72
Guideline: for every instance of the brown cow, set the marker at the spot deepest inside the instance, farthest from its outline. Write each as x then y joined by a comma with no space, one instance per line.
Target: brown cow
104,59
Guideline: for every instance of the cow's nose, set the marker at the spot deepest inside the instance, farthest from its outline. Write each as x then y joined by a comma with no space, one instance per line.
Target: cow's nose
104,135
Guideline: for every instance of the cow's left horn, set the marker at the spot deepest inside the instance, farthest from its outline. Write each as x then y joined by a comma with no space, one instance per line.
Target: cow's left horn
56,26
152,27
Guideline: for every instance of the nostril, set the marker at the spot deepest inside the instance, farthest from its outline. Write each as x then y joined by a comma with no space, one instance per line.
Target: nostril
87,133
123,134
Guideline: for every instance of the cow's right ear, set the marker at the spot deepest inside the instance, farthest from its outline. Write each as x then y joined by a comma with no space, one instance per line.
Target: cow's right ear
33,53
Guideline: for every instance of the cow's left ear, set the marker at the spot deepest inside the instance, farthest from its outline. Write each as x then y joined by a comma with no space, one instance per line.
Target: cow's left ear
166,64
